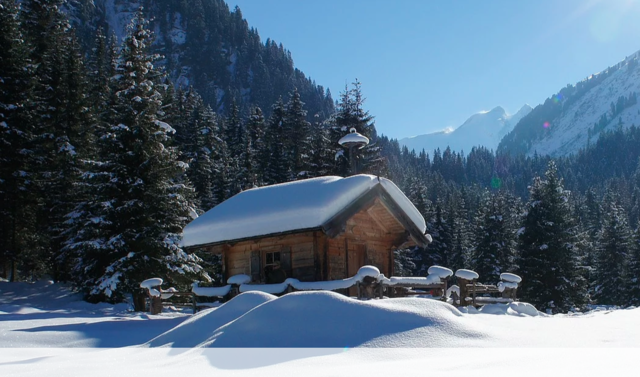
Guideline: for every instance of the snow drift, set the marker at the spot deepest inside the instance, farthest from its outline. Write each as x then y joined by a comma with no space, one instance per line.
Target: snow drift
203,325
328,319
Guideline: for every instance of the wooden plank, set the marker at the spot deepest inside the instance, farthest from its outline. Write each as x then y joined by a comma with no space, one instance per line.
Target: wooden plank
325,246
346,257
255,266
403,218
336,225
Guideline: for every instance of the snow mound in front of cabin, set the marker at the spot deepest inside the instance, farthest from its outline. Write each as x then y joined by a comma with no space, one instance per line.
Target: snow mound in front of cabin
203,325
328,319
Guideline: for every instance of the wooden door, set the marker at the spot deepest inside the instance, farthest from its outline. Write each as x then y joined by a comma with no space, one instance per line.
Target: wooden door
356,254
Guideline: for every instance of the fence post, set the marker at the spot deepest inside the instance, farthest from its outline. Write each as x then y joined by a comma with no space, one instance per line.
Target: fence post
193,300
474,291
444,290
464,291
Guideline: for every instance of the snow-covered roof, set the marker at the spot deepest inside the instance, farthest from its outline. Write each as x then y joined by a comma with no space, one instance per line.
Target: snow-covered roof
298,205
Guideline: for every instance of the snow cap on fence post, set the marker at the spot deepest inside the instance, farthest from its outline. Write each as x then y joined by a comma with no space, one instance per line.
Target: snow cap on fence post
371,271
150,285
511,278
239,279
467,274
439,271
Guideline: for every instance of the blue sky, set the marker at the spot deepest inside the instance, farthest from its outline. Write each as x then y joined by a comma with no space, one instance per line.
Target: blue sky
426,65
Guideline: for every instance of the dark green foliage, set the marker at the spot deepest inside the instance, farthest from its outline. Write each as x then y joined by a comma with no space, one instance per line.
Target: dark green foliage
351,114
612,252
633,271
549,259
128,230
494,251
297,137
19,241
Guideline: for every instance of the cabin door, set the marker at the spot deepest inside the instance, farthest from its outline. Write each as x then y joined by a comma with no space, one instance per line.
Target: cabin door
356,254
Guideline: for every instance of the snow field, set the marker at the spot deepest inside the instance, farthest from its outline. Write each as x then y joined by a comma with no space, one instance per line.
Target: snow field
48,319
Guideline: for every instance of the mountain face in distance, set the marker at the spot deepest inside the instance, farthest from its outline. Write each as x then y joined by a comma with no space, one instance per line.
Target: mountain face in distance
485,129
209,47
574,118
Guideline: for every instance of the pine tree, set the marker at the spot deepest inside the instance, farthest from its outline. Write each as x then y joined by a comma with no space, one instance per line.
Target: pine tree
234,130
492,240
18,201
351,114
256,129
63,120
129,230
277,170
548,260
592,225
459,253
321,160
634,215
612,252
297,137
200,146
438,250
633,271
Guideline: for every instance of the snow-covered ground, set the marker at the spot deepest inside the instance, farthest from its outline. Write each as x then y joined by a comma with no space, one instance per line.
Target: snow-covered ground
47,330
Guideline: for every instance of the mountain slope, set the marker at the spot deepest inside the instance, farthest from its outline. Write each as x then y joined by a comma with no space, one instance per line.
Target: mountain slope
575,116
481,129
211,48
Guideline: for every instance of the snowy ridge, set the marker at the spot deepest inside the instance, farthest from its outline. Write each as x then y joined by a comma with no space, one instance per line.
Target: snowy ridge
485,129
569,132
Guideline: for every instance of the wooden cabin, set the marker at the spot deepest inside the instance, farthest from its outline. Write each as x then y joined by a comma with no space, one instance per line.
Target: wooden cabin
318,229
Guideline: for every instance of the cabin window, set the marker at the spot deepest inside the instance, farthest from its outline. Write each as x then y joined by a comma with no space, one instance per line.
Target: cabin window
272,258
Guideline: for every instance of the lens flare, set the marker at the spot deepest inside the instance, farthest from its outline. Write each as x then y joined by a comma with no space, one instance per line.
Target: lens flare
496,183
546,125
557,98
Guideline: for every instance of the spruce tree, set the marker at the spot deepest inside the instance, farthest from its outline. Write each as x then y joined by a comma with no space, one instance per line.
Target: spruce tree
493,251
548,257
321,160
459,253
297,137
277,170
443,237
613,248
18,200
256,128
129,230
197,137
351,114
633,271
